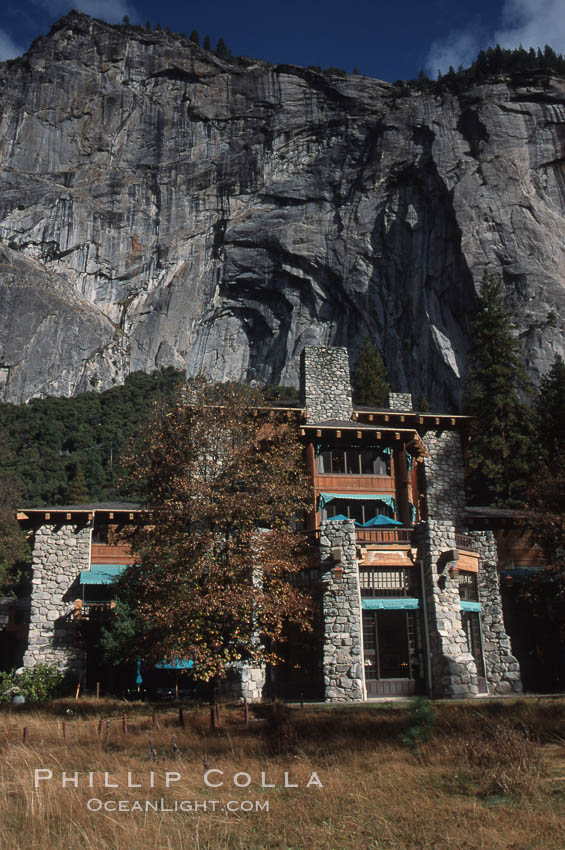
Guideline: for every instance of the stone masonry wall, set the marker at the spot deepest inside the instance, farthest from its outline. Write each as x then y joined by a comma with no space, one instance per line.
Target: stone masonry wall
341,603
244,681
400,401
445,490
453,668
60,552
501,667
325,383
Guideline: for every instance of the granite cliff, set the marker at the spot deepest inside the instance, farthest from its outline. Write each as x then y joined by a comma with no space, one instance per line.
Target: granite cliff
159,206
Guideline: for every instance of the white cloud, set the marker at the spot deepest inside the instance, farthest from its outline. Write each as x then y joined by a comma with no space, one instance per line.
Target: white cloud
112,11
8,47
532,23
459,48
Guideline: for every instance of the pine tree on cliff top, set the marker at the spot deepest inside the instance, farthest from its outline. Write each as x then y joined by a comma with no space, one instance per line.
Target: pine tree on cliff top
370,378
501,451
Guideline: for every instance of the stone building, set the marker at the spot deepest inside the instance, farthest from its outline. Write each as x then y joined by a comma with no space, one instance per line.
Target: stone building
410,598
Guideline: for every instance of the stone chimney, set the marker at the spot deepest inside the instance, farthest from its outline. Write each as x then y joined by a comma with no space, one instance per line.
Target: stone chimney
325,384
400,401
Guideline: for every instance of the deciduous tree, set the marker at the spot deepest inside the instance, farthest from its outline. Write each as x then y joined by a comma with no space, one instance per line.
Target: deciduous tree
217,550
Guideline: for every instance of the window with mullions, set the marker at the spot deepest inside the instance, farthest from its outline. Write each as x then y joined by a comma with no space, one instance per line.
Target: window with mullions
354,461
378,581
468,588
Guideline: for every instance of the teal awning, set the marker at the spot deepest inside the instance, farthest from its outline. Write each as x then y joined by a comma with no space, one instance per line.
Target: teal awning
324,498
175,665
102,573
470,606
401,603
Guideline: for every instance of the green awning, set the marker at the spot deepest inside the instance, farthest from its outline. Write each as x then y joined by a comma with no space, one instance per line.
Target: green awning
325,498
470,606
401,603
102,573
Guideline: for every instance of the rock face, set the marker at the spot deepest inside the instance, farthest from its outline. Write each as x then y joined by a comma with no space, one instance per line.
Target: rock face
161,207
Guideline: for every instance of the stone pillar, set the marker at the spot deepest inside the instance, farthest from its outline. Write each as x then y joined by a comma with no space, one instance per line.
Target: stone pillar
325,383
341,606
445,486
60,552
501,667
400,401
244,681
453,668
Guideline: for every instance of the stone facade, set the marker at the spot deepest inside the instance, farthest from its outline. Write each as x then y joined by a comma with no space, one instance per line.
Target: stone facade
341,603
245,682
60,552
445,485
400,401
453,668
325,383
501,667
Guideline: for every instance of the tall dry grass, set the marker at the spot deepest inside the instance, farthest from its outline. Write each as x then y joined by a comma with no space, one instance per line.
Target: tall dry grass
481,780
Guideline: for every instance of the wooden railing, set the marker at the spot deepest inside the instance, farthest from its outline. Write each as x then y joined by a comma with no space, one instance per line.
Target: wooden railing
104,553
463,541
343,483
384,535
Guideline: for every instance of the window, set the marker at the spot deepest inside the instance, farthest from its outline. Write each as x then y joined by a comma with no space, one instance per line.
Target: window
354,461
468,588
356,509
383,581
100,534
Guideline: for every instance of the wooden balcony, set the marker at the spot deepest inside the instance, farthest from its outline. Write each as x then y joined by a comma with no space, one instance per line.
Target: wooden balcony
104,553
355,484
464,541
384,536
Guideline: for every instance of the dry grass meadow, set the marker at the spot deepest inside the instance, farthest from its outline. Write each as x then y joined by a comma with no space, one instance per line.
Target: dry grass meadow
490,775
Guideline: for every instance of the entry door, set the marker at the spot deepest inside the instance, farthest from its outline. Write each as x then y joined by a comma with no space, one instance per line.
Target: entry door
387,653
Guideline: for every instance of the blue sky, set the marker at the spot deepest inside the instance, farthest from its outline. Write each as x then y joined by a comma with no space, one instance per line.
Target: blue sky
386,40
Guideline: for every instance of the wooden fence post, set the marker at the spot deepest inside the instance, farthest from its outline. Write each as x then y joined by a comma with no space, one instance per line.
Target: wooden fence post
181,717
246,711
124,724
26,735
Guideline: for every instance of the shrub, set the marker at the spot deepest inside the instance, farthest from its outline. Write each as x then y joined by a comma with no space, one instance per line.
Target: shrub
37,684
421,720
